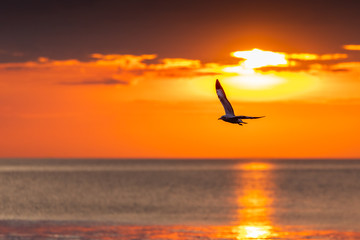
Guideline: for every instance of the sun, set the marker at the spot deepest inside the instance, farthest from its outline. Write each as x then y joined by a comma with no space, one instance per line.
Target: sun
259,58
245,72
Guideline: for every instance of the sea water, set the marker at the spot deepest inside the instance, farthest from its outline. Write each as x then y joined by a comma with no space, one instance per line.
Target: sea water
179,199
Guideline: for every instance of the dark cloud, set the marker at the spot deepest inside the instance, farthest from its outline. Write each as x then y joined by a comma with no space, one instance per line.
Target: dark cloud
15,68
186,73
340,70
284,69
202,29
22,68
8,56
107,81
308,65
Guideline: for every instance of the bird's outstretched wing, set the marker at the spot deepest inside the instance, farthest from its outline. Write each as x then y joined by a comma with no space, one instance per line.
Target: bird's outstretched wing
221,94
247,117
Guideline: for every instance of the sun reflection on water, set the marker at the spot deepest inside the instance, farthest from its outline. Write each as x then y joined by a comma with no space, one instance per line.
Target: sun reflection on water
254,200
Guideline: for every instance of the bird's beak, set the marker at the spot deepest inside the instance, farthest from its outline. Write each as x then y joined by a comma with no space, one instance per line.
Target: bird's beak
219,118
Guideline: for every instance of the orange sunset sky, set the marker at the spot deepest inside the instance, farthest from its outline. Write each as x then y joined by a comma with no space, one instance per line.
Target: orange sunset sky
136,79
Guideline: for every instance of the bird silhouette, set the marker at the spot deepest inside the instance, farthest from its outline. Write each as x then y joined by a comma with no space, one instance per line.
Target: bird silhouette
229,111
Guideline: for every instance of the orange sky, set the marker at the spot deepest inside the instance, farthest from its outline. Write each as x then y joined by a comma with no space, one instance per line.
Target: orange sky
145,106
136,79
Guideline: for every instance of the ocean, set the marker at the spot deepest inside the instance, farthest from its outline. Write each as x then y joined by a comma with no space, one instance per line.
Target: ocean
179,199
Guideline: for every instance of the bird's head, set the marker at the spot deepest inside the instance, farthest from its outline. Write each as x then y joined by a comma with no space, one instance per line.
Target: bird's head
222,117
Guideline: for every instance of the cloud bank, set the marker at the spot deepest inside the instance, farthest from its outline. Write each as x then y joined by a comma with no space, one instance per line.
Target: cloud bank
126,69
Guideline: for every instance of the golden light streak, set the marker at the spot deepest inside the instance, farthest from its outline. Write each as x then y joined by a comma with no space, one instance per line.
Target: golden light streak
333,56
125,61
180,63
43,59
313,57
352,47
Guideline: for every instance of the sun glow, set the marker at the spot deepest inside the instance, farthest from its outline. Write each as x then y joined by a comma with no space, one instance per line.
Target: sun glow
250,82
256,81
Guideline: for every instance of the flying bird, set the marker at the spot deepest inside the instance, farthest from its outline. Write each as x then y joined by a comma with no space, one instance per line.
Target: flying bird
229,111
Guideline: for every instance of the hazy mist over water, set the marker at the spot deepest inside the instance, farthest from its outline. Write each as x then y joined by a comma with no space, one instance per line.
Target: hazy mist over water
310,194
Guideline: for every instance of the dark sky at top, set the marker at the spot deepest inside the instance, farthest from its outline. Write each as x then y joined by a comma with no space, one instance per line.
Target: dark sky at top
207,30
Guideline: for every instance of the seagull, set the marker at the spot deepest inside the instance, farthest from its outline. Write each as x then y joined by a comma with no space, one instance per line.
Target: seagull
229,111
